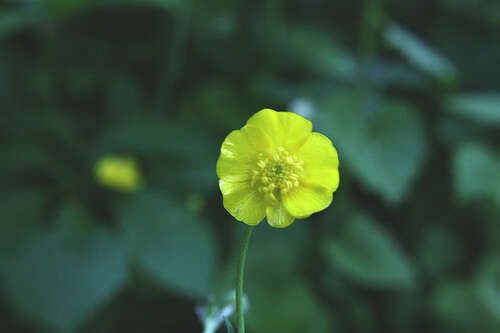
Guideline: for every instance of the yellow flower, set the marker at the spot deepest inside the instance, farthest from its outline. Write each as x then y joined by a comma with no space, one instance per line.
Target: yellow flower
118,172
275,166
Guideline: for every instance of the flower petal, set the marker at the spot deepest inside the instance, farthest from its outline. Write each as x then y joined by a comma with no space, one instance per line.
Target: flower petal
238,154
286,129
307,199
321,162
278,216
257,138
319,179
243,202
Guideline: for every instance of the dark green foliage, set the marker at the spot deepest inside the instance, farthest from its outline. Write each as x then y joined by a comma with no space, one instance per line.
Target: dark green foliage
408,91
365,253
168,244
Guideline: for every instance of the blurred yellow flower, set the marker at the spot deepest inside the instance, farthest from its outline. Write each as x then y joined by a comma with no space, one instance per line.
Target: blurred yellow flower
275,166
118,172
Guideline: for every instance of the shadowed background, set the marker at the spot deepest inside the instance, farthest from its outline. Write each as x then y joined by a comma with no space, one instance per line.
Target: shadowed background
112,116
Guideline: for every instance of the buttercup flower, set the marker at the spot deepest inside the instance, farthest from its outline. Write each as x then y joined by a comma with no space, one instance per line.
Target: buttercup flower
118,173
275,166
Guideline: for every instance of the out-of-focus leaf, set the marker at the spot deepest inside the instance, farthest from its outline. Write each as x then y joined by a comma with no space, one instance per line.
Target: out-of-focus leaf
454,131
498,196
438,251
4,84
319,52
382,143
12,21
20,212
488,285
160,3
59,281
290,307
158,136
268,87
419,54
270,247
481,10
471,51
125,96
476,172
352,302
457,305
368,254
168,244
65,8
398,76
186,176
480,107
214,22
405,311
22,205
212,104
34,159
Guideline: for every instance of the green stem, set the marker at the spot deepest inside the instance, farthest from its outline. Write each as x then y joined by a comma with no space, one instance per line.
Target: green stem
239,282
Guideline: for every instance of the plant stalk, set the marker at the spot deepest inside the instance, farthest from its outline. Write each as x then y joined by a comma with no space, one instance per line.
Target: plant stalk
239,280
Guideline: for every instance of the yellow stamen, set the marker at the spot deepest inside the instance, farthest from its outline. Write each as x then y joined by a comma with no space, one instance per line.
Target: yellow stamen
277,173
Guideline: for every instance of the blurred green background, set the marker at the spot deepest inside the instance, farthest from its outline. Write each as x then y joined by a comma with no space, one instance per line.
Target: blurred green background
112,116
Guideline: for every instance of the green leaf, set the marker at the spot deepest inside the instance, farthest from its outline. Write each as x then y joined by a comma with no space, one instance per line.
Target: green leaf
168,244
382,143
269,247
357,313
479,10
20,211
439,252
13,21
319,52
458,305
367,253
66,8
488,286
158,135
419,54
168,4
287,307
33,159
206,104
21,206
476,172
59,281
453,131
186,176
481,107
393,74
498,196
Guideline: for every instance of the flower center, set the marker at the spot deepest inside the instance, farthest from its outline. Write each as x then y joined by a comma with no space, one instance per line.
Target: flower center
277,173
